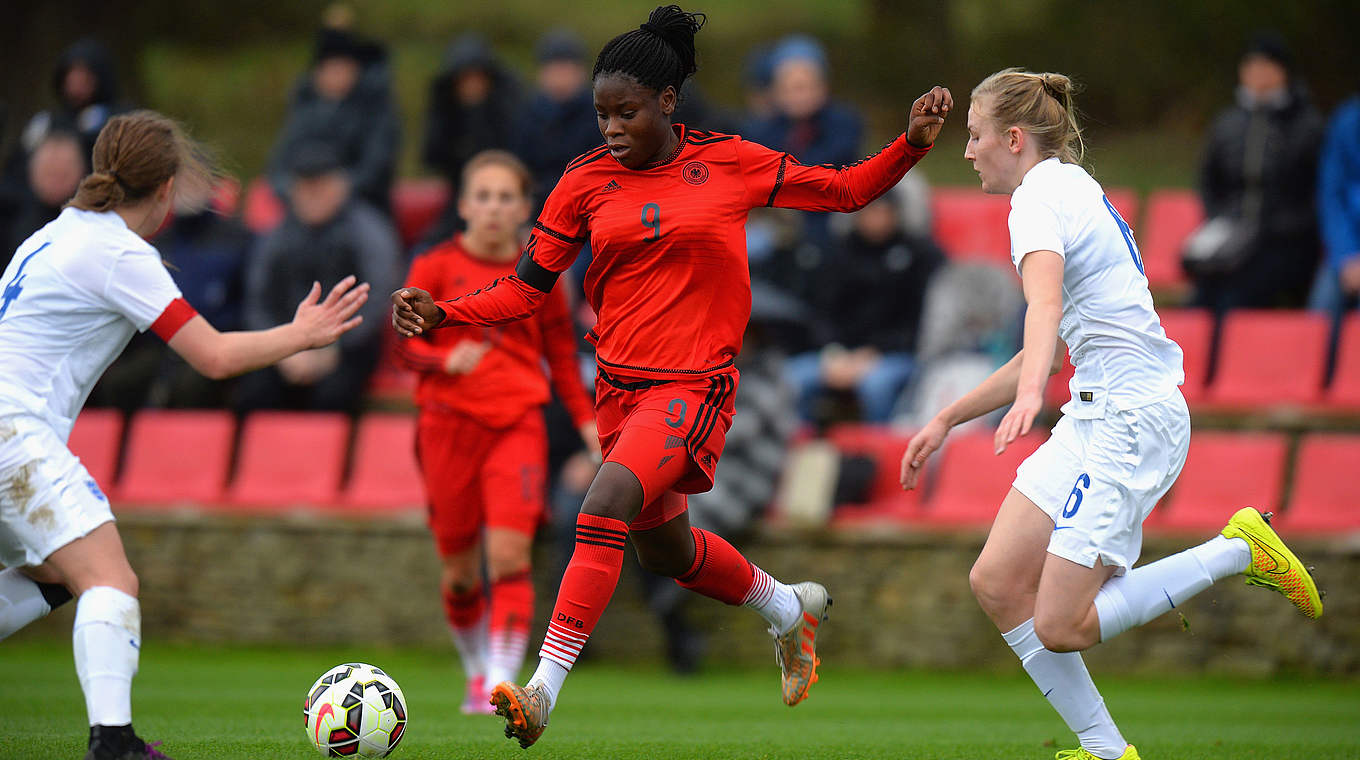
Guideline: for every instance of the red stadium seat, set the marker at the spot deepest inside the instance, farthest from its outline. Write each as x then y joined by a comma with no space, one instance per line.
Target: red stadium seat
263,209
383,473
1344,391
972,481
1269,358
416,203
1193,330
95,439
970,224
290,458
1170,218
1324,498
1127,203
1223,473
176,457
887,502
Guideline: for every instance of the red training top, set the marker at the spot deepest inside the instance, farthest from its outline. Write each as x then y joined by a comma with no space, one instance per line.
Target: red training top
509,379
670,280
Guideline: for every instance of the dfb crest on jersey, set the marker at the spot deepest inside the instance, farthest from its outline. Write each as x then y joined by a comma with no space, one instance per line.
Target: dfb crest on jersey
695,173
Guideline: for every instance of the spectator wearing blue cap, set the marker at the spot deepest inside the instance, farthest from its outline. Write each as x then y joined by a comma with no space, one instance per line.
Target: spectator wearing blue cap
806,122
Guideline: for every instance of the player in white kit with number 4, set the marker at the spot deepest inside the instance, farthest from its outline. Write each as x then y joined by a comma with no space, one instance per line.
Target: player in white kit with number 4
1056,574
69,302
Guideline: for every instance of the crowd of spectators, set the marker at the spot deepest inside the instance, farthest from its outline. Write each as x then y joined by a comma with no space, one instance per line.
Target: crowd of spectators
1280,190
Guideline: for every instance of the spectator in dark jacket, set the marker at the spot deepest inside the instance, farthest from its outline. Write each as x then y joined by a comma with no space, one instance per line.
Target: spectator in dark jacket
1259,172
557,124
52,172
1338,281
85,85
327,235
869,296
806,122
473,102
345,99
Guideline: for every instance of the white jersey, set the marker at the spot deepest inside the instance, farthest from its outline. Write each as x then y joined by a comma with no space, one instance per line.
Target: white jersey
70,300
1122,356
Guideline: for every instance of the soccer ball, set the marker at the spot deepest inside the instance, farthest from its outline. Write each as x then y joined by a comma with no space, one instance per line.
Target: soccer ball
355,710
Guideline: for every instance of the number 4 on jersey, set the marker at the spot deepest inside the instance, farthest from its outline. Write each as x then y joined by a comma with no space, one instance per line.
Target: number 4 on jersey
1127,233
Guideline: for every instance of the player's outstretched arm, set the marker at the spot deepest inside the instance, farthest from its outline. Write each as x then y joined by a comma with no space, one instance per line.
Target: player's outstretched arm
316,324
991,394
776,179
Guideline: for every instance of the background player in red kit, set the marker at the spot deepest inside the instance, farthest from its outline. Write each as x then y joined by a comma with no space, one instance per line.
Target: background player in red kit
482,442
664,208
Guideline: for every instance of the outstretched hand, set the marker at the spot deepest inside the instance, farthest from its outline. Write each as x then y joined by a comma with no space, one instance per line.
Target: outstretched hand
414,312
927,116
922,445
323,322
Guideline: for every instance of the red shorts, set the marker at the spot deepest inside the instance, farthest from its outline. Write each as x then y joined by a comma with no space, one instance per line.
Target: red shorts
668,433
479,476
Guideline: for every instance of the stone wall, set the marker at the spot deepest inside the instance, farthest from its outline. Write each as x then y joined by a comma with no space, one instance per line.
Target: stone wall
902,600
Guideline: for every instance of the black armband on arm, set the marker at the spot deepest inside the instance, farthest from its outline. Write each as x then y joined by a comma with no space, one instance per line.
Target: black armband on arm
536,276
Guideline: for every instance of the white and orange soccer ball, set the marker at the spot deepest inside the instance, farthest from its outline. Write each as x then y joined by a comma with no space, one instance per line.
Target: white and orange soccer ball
355,710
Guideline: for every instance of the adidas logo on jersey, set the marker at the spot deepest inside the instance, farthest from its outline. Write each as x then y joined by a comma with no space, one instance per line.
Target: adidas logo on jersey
611,187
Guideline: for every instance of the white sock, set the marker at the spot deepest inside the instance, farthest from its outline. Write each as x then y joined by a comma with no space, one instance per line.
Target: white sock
507,650
1066,684
1149,591
471,645
107,637
551,675
21,601
775,601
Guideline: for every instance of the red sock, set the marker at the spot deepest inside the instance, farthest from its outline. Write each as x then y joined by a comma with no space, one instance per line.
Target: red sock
719,570
463,608
586,588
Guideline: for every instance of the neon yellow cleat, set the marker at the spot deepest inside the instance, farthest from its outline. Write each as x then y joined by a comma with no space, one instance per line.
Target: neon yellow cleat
1080,753
525,709
796,650
1272,564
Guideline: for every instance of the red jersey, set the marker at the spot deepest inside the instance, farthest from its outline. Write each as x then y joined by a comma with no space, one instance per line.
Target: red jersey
509,379
670,281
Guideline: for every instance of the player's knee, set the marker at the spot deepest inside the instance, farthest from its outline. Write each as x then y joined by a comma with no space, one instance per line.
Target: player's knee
615,493
993,589
1059,634
459,579
505,562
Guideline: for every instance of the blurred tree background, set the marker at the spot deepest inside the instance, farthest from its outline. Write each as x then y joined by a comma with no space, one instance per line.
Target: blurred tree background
1153,72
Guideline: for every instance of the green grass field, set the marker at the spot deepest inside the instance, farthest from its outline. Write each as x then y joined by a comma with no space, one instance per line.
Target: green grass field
209,703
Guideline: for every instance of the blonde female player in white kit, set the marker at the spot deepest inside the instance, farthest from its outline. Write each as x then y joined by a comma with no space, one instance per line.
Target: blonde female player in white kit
1056,574
69,302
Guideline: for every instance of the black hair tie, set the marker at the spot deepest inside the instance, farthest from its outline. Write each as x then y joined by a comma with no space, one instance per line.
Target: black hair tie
648,27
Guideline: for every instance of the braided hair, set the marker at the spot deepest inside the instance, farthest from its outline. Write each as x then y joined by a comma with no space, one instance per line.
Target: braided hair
658,54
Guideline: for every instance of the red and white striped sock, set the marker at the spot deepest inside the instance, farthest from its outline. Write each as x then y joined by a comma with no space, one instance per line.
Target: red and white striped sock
775,601
512,606
587,586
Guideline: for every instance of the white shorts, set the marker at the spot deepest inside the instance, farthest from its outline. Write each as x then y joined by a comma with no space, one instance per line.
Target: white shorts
47,499
1099,479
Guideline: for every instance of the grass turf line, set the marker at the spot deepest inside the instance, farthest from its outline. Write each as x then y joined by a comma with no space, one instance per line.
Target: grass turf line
211,703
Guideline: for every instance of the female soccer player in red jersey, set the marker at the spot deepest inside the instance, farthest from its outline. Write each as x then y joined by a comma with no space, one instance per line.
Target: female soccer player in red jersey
664,208
482,441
